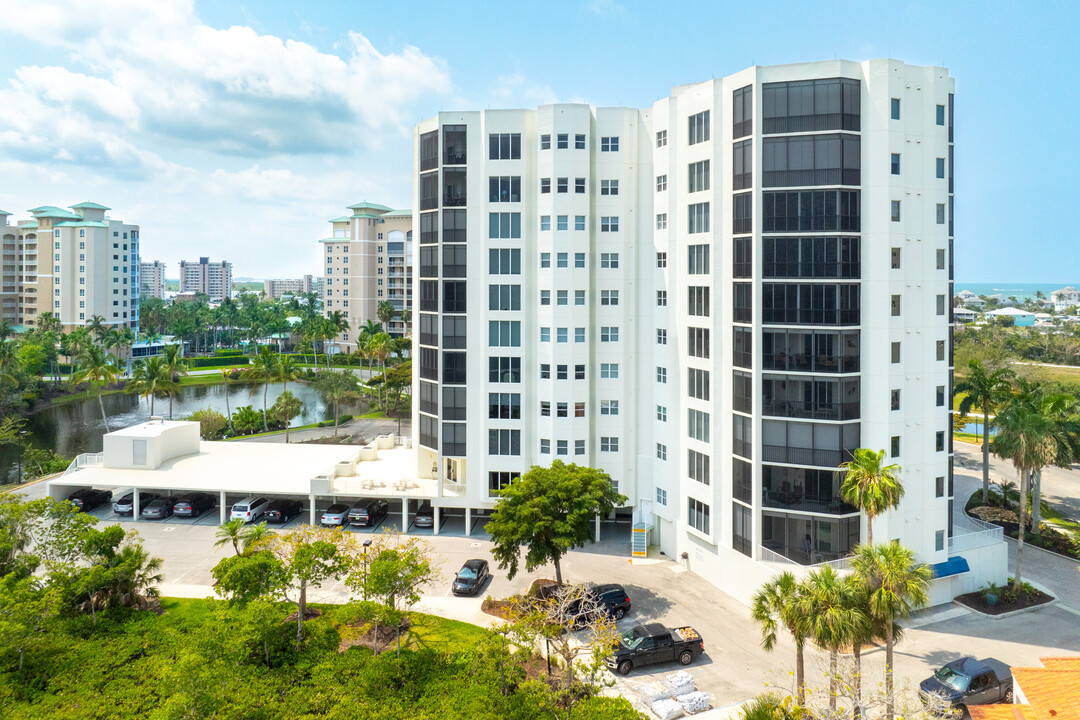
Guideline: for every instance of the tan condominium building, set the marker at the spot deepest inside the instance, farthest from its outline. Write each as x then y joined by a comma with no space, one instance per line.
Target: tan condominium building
213,279
368,260
75,264
152,279
275,289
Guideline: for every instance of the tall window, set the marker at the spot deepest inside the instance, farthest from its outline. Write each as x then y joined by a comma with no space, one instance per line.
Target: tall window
698,128
699,218
698,515
698,259
699,176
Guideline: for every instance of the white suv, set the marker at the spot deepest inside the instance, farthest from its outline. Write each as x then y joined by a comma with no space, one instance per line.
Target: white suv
249,509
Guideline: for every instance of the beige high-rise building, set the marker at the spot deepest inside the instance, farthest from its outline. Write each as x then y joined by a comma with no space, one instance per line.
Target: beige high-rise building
368,260
152,279
73,263
274,289
213,279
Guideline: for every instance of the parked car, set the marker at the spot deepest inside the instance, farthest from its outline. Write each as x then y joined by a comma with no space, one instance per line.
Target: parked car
282,510
87,499
159,509
336,514
654,643
126,504
249,509
425,516
471,577
193,504
368,512
967,681
612,597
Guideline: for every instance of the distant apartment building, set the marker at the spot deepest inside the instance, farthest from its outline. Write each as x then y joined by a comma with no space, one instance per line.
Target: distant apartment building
1065,298
274,289
152,279
74,263
213,279
368,260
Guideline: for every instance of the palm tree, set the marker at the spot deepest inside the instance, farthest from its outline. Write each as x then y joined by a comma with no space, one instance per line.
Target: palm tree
771,706
385,311
835,617
225,380
287,369
775,606
263,369
338,388
252,535
871,486
98,327
896,585
96,367
984,389
6,330
379,347
175,365
149,379
336,322
231,532
285,408
125,338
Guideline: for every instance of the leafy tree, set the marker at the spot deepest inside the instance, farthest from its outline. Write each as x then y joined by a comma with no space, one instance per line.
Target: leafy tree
836,618
777,605
247,420
984,388
263,369
896,585
97,368
11,430
337,389
38,462
149,379
285,408
32,358
385,311
27,608
212,424
120,574
175,366
551,511
871,486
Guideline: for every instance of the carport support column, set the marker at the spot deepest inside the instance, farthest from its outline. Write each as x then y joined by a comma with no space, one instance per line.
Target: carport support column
437,519
135,509
404,514
311,499
468,521
597,528
222,506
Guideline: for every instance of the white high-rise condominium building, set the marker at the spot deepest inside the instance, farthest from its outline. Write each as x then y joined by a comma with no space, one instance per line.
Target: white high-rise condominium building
213,279
152,278
274,289
715,299
368,260
75,264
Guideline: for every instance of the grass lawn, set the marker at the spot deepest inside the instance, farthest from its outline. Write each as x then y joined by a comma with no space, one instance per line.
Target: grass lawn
1039,372
279,432
970,438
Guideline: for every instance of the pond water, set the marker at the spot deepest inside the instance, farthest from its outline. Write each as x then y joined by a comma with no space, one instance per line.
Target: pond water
77,427
977,429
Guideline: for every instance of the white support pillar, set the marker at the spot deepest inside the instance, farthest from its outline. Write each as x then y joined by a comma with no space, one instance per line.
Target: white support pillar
437,520
135,509
224,504
311,499
597,528
468,522
404,514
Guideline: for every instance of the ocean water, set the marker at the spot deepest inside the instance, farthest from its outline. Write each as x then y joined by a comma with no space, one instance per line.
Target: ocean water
1020,291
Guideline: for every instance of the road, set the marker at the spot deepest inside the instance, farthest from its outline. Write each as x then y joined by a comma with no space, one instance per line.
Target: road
1060,486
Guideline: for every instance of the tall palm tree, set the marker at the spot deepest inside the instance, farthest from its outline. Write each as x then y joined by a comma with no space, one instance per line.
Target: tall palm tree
871,486
1061,409
175,366
110,340
6,329
225,380
896,585
286,407
385,311
836,619
379,347
985,389
338,388
287,369
97,326
776,606
335,322
231,532
263,369
96,367
149,379
125,338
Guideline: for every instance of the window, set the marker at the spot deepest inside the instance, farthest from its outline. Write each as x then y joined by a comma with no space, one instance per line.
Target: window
940,350
742,111
697,423
939,487
609,261
895,164
545,297
545,223
498,480
609,371
661,336
561,447
609,297
609,144
545,334
579,372
895,354
661,413
545,185
895,255
561,335
560,372
579,141
940,304
562,141
699,176
579,188
562,185
661,374
545,259
579,409
561,410
939,540
742,217
698,128
545,446
940,396
698,339
742,304
504,225
562,260
661,221
545,371
939,441
579,223
940,259
742,529
579,297
579,335
504,369
697,383
661,298
894,108
501,190
895,400
504,333
504,146
545,141
941,213
503,442
609,187
895,211
661,183
661,453
503,406
940,115
940,168
560,297
894,446
609,407
826,159
562,222
698,218
698,515
579,447
661,259
661,138
609,224
609,444
698,259
609,333
504,297
504,262
895,306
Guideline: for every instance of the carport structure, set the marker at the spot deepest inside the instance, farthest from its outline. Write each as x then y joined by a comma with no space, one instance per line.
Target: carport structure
168,458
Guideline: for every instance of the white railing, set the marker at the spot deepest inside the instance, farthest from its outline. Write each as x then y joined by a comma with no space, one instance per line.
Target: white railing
970,533
84,460
776,558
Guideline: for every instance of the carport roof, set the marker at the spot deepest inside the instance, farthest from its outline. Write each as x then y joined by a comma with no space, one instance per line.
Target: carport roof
235,467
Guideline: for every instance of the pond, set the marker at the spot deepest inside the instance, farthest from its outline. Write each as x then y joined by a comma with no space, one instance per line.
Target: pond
977,429
76,427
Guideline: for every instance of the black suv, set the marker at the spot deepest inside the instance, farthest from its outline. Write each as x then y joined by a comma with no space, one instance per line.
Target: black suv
193,504
282,510
368,512
613,597
88,498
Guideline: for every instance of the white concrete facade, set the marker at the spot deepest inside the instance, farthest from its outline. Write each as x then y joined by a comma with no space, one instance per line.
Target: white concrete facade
274,289
152,279
213,279
683,244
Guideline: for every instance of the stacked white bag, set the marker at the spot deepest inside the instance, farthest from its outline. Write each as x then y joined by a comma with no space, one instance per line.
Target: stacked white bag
666,709
693,702
680,683
651,692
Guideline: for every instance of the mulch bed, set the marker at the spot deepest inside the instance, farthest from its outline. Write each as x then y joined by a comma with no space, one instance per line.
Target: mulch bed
977,601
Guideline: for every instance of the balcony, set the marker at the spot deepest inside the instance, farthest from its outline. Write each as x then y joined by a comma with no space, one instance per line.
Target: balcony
455,140
796,396
813,457
811,410
808,539
803,490
454,194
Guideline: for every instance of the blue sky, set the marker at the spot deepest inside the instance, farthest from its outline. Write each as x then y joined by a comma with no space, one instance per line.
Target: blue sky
237,129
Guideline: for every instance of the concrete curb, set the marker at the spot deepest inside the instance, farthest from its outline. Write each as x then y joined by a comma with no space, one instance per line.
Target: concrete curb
1011,613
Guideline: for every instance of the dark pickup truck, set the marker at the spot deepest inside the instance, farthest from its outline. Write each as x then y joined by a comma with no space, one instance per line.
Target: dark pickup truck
967,681
654,643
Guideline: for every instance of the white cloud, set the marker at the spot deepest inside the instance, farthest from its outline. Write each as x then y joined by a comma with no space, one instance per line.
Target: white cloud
605,7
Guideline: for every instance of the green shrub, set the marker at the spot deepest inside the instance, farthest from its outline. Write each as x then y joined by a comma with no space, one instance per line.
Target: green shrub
230,352
209,362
